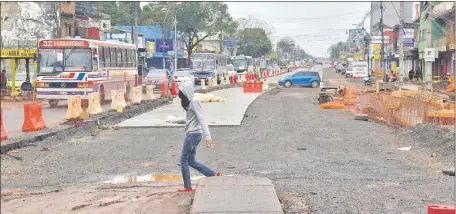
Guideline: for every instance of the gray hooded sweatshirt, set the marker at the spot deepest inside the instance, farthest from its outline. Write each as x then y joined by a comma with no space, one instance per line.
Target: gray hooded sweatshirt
195,121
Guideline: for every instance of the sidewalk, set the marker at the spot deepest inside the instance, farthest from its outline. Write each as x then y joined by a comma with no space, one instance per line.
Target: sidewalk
228,113
235,194
13,118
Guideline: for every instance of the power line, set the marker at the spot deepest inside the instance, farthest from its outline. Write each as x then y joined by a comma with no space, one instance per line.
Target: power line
320,17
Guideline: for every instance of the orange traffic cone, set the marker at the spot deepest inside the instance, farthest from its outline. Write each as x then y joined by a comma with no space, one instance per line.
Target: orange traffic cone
174,89
29,124
164,89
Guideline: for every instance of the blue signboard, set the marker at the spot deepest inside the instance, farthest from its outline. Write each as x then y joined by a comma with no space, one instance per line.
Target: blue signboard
230,42
356,35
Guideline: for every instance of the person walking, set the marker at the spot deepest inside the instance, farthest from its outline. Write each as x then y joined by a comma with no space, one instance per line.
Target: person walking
3,80
196,128
411,73
418,74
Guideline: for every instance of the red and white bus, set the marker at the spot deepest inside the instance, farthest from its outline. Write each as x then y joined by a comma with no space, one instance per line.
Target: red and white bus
78,67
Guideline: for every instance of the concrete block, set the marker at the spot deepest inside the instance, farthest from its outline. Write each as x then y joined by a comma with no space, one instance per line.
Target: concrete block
362,117
235,180
236,194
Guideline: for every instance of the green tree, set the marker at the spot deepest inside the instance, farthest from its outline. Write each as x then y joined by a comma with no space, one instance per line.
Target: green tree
195,20
286,45
121,12
336,49
254,42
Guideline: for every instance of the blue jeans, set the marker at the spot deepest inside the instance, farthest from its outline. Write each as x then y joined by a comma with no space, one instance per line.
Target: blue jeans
188,158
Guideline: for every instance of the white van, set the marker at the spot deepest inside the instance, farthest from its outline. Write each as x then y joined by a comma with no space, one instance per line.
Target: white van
349,70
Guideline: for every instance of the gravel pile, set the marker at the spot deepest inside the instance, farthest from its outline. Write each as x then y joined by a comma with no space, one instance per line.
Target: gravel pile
434,140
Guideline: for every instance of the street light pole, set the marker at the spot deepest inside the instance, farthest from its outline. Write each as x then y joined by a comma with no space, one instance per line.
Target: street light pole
401,44
382,51
175,42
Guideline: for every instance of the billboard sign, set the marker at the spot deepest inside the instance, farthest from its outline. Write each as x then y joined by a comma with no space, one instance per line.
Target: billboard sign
378,39
408,37
376,50
230,42
356,35
360,69
150,47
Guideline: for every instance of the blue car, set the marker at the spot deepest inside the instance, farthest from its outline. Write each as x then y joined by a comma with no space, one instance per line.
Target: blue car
301,78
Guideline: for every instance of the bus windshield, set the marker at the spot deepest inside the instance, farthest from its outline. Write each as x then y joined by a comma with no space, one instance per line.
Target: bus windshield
54,61
198,63
240,63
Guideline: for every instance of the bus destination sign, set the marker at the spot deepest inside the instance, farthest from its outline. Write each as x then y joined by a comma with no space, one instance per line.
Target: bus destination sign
64,43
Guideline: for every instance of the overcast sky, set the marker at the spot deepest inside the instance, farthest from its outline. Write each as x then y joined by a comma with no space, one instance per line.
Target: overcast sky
314,25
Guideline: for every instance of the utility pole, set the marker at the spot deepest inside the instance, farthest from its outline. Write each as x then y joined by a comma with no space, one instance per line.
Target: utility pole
428,79
175,42
382,47
371,58
135,30
401,44
162,46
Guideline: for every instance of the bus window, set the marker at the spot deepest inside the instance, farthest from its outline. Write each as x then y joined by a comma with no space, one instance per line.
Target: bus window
119,57
124,58
94,64
107,55
101,56
132,58
128,64
113,57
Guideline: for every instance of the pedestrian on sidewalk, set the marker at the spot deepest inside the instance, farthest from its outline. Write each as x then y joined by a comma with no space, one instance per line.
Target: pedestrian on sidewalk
3,80
196,128
411,73
418,74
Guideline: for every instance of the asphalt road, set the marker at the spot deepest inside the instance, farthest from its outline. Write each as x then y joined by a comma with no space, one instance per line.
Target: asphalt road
321,161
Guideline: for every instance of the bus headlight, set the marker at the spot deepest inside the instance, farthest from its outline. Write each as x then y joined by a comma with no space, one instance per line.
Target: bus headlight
85,85
42,85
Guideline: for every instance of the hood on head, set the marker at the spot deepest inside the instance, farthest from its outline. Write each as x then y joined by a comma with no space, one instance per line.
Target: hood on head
188,90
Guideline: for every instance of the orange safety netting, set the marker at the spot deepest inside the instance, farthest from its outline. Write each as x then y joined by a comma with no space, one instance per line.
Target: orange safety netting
407,108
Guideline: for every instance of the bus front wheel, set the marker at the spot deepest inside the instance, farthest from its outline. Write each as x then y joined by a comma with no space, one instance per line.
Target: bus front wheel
53,103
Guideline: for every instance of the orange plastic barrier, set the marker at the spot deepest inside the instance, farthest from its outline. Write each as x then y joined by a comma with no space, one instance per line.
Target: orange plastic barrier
164,90
332,105
33,117
252,87
4,136
440,209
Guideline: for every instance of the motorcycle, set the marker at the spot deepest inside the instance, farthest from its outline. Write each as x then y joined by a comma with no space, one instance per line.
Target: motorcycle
368,81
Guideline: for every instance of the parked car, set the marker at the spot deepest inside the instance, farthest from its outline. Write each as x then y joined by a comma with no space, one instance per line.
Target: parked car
349,71
301,78
183,75
156,77
205,74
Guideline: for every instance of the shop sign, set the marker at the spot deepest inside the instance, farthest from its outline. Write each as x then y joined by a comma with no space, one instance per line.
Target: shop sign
18,53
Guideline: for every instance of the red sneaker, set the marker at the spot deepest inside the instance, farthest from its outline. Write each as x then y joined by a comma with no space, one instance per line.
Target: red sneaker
185,190
218,174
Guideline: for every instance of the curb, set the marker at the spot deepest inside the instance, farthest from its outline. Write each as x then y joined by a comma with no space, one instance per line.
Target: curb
107,117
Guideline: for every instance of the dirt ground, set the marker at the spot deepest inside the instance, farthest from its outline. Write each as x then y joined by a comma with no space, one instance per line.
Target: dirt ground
119,200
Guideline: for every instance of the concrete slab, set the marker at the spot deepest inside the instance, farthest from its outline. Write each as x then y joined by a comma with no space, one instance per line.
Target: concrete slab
410,87
236,194
235,180
228,113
